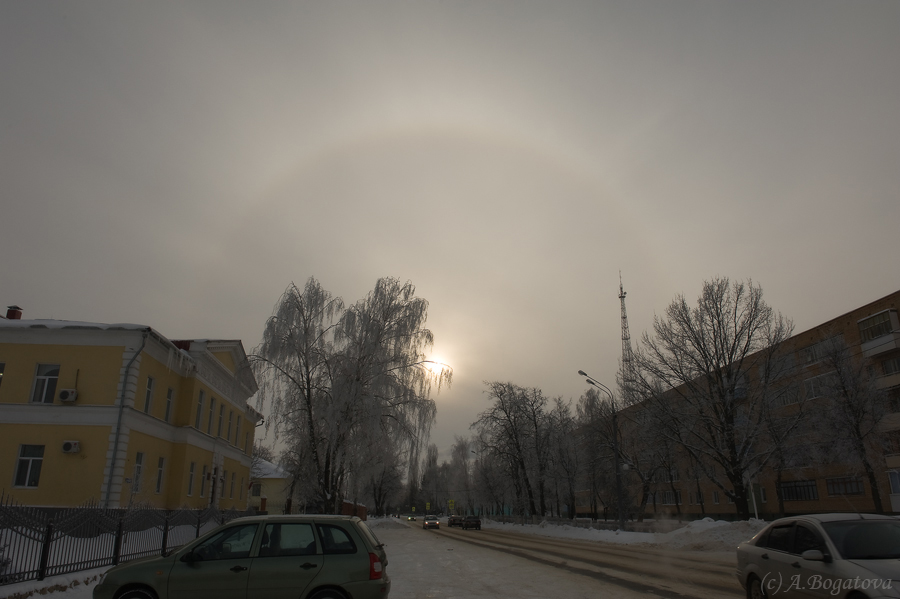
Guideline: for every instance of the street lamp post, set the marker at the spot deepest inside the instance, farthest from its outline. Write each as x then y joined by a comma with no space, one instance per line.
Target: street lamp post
615,443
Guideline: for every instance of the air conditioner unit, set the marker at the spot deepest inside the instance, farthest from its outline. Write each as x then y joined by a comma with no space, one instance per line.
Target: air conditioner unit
67,395
71,446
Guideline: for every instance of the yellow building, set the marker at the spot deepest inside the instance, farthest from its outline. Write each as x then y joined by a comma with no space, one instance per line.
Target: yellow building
270,488
118,414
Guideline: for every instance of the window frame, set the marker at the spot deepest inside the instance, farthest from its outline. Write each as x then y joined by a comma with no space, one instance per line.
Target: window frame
190,489
44,380
170,398
30,462
160,478
148,397
199,418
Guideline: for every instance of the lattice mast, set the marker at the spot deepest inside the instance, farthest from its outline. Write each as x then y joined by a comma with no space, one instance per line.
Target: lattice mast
627,355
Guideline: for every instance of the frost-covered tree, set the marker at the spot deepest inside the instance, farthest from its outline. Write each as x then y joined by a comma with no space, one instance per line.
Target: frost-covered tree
716,364
339,380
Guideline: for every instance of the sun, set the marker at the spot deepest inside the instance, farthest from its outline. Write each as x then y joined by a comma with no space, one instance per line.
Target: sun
436,365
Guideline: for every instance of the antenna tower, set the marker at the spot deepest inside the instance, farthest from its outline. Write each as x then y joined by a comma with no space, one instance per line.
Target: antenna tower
627,356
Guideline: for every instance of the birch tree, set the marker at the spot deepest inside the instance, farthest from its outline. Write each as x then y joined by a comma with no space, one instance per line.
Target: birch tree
338,379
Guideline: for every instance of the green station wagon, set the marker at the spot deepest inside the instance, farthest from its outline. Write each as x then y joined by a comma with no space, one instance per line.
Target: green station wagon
262,557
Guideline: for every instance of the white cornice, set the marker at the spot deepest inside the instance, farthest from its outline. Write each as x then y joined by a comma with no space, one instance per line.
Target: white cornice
133,420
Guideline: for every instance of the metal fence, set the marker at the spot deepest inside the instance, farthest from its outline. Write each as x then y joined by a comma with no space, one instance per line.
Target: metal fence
40,542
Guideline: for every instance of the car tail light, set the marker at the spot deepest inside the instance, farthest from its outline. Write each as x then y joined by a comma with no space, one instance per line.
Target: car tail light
376,570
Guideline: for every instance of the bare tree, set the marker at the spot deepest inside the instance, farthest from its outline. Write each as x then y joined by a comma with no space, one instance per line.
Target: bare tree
849,411
506,430
338,378
715,364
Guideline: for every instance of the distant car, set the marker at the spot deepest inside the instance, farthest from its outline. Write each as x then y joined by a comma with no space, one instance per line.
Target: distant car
431,522
301,557
848,556
454,520
472,522
411,518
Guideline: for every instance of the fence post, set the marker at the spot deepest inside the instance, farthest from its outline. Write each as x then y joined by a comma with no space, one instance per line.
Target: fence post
117,544
199,513
165,542
45,550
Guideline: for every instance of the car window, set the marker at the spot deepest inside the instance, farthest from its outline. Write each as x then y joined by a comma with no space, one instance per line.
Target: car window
865,539
335,539
369,533
287,539
780,537
231,543
806,538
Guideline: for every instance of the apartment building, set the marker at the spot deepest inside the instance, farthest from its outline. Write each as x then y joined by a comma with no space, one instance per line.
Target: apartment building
871,336
118,414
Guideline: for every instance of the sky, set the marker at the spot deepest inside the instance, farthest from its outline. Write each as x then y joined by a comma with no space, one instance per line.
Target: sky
179,164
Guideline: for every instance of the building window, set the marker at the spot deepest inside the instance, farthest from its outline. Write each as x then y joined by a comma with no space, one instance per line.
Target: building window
45,383
818,386
894,477
148,398
671,498
246,442
212,412
169,395
762,494
256,490
199,411
237,431
241,489
716,497
2,367
221,420
845,485
888,367
230,420
191,480
138,467
159,474
28,471
231,494
671,475
800,490
203,477
875,326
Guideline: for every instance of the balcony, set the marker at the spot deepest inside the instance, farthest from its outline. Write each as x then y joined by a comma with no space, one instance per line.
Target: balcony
882,344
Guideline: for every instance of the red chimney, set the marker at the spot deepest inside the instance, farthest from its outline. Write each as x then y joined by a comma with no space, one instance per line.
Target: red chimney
14,313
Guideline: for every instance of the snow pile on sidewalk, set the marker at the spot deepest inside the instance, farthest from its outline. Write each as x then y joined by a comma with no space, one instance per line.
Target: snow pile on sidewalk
77,585
700,535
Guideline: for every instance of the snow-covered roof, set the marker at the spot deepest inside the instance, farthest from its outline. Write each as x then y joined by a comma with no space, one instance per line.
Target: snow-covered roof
48,323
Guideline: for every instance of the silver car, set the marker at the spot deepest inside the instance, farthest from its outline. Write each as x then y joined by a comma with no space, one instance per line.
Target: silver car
848,556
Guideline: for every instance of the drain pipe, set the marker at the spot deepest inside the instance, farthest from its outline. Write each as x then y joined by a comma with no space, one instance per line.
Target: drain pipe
115,451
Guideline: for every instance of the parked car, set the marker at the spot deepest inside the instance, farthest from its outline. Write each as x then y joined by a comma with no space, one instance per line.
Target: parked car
454,520
849,556
411,518
301,557
471,522
431,522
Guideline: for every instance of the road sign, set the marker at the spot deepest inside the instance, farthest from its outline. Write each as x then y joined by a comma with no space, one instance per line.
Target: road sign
427,505
414,508
450,503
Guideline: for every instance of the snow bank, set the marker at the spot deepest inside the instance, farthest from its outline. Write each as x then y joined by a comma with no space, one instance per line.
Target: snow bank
76,585
700,535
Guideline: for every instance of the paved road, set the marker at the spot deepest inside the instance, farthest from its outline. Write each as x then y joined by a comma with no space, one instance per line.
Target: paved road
673,574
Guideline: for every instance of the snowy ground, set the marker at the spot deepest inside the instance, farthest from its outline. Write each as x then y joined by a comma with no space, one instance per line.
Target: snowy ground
699,535
423,565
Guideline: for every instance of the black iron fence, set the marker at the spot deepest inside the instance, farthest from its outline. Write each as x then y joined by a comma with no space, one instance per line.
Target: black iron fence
40,542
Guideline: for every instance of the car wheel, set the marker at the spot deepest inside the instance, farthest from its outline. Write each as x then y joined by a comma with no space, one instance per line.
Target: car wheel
328,594
754,589
137,594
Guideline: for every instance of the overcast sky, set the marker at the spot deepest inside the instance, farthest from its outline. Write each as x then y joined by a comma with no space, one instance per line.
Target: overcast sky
179,164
